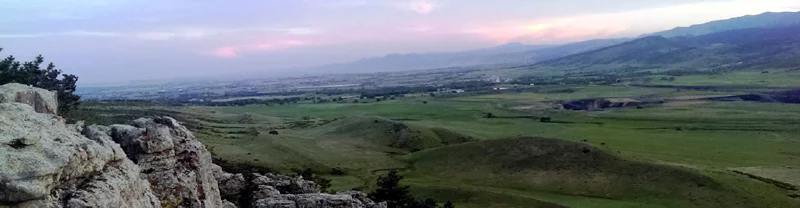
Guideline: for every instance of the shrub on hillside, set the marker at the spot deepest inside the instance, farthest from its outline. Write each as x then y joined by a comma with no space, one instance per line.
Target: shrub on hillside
337,171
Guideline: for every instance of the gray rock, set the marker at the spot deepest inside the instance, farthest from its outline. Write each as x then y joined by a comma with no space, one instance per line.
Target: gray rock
41,100
328,200
121,181
264,191
275,202
177,166
360,196
227,204
292,195
289,185
156,162
231,186
46,163
314,200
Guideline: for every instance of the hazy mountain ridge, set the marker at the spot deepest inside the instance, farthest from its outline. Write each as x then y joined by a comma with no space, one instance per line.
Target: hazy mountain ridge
680,45
769,19
512,53
754,46
394,62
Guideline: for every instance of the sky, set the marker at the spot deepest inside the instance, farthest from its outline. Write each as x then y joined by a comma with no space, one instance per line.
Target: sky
106,41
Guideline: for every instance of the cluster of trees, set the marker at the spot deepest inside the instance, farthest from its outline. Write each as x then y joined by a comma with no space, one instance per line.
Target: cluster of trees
32,73
397,196
395,91
668,79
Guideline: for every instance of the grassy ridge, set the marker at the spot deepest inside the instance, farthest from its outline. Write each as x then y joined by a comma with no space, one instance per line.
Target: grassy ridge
395,134
570,168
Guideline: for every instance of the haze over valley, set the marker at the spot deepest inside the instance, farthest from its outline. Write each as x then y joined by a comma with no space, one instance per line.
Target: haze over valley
400,104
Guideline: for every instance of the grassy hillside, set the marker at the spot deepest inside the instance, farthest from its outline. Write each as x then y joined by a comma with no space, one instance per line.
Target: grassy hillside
394,134
571,168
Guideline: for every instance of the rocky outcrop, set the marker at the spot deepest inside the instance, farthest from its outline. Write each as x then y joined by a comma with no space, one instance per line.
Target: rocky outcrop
44,163
177,166
155,162
278,191
43,101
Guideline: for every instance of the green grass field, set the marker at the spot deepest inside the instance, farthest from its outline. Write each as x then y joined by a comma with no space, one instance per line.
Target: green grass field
678,153
755,78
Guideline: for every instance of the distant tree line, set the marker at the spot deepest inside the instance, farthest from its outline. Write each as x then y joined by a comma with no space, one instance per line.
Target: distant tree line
31,73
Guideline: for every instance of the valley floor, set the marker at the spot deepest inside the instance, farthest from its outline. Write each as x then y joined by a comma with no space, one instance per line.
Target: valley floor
684,144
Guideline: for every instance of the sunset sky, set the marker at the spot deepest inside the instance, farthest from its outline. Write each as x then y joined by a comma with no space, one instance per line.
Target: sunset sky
122,40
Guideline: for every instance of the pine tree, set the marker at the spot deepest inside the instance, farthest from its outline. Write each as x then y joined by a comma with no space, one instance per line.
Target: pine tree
391,191
448,205
30,73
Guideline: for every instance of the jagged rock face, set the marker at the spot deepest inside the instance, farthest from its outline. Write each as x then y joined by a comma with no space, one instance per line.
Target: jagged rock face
154,163
45,163
177,166
43,101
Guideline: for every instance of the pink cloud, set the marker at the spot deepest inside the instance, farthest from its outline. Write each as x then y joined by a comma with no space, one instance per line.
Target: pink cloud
232,51
546,32
225,52
295,43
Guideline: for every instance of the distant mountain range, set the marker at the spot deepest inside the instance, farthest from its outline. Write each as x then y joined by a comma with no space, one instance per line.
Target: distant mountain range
679,44
508,53
512,53
769,19
777,45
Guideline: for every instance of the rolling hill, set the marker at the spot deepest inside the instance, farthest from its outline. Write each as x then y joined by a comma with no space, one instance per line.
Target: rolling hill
393,134
573,168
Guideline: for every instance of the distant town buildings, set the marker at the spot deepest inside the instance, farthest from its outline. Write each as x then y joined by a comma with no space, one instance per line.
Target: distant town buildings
452,90
498,79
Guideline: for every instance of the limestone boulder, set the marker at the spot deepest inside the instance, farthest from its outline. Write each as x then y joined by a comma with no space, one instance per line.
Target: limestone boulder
46,163
41,100
177,166
232,187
